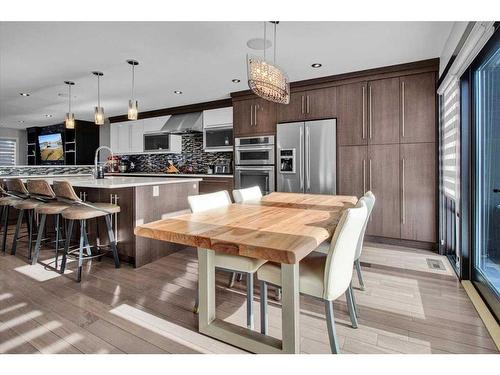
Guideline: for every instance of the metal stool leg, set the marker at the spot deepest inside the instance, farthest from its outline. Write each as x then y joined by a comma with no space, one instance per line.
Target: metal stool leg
5,228
197,301
264,323
58,235
97,239
39,236
86,238
16,233
69,232
80,251
30,233
353,299
232,278
112,241
330,322
360,275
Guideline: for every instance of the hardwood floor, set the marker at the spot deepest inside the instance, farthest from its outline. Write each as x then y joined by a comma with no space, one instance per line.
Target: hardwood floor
406,308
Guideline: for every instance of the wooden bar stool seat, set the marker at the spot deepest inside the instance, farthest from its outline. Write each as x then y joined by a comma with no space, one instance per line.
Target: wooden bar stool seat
26,204
51,208
81,212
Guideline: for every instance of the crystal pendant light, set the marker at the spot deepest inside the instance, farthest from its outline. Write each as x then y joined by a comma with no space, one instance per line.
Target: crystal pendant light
132,113
99,111
69,119
268,80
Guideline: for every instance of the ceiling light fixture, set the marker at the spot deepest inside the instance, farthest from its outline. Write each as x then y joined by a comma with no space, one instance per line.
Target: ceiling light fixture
48,116
316,65
24,94
268,80
69,119
177,92
133,112
99,111
21,121
236,80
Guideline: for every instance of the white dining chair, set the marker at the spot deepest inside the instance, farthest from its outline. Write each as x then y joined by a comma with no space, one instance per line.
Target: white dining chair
226,262
326,277
369,199
250,194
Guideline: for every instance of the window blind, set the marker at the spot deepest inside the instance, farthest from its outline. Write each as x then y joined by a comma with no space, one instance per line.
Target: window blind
450,127
8,149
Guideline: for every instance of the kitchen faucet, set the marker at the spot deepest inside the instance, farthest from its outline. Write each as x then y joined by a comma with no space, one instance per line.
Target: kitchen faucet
98,168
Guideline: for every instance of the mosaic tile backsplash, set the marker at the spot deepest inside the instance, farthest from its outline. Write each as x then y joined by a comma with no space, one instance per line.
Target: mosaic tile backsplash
192,155
42,170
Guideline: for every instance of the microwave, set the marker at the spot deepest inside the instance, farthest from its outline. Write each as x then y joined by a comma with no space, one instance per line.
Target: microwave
254,150
162,142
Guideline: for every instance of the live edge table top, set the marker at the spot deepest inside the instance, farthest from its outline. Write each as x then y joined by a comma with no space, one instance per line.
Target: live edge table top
282,227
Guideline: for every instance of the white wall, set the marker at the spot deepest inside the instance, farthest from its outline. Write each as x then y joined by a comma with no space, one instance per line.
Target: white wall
20,135
456,33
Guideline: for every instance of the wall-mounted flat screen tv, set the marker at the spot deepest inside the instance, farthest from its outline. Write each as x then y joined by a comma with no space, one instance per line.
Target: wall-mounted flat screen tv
51,148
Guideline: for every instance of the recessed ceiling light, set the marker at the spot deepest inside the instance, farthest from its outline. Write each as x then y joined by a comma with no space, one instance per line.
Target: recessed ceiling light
21,121
316,65
48,116
177,92
24,93
236,80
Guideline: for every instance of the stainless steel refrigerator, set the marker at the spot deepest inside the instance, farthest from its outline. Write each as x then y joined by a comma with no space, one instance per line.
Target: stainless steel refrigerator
306,157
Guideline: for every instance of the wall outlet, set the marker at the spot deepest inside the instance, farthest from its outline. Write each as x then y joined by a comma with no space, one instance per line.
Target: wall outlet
156,191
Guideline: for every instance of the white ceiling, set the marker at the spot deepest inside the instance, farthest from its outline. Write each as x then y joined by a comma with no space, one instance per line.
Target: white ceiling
198,58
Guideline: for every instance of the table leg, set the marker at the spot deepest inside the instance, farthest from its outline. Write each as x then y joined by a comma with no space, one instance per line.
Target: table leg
206,287
290,311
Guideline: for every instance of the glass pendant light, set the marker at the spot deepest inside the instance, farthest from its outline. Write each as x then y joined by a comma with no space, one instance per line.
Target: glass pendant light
69,119
268,80
99,111
132,113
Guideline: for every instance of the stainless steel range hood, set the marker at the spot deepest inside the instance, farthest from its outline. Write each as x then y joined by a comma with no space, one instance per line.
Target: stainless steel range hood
184,124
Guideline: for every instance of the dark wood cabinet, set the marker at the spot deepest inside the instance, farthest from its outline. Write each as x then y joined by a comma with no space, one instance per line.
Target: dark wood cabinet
352,114
309,105
352,170
418,191
384,182
418,108
213,184
383,111
254,117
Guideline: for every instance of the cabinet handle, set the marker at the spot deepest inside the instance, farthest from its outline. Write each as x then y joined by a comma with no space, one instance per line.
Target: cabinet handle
251,114
370,172
307,104
255,116
370,110
308,144
364,112
85,196
403,109
302,104
301,154
364,175
403,208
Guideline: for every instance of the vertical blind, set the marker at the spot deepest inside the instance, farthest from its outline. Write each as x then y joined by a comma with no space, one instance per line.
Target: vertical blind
450,139
8,151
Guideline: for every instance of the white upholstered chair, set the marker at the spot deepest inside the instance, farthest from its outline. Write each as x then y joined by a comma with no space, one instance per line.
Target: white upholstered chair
247,195
226,262
369,200
324,276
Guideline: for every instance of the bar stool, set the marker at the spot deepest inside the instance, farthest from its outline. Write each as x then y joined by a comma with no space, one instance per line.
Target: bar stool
26,206
6,201
40,189
81,212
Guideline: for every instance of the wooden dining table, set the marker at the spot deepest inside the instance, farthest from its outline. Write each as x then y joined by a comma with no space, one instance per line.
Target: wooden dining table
281,227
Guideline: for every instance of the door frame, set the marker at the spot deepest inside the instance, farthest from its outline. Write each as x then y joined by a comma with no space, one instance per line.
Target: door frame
468,139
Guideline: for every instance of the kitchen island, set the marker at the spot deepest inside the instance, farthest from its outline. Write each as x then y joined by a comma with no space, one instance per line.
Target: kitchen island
141,200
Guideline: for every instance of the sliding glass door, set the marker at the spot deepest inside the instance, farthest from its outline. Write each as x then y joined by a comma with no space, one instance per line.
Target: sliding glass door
485,267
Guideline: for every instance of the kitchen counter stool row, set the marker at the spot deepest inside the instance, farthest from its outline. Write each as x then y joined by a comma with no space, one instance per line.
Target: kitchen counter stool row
35,201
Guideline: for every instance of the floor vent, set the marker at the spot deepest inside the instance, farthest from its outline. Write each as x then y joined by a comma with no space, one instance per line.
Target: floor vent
435,264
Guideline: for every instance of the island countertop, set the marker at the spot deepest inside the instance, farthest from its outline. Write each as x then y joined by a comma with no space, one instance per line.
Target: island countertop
115,182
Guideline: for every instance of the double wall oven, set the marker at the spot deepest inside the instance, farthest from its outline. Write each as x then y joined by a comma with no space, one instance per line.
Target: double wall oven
254,160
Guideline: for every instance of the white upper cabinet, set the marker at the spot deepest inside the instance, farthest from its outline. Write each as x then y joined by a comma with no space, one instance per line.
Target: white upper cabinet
136,136
120,137
218,117
154,124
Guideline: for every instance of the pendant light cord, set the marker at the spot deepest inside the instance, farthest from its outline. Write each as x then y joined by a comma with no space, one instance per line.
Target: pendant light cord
265,41
133,80
98,91
69,86
275,42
